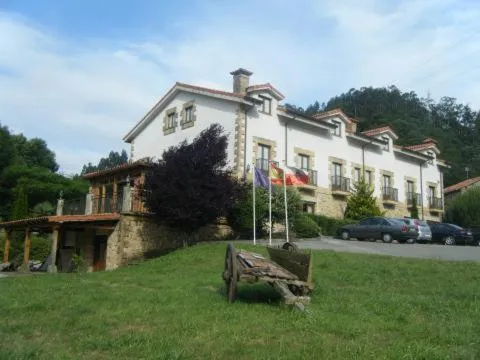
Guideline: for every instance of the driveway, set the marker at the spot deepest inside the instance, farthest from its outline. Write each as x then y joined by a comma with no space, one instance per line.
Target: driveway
424,251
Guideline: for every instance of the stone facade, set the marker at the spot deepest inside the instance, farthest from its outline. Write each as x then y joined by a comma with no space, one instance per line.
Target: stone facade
239,152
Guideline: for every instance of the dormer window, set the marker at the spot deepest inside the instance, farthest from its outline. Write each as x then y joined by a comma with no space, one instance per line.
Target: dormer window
338,129
266,106
386,146
431,154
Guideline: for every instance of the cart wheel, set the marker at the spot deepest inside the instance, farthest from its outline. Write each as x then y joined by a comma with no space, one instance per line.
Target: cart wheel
230,274
290,247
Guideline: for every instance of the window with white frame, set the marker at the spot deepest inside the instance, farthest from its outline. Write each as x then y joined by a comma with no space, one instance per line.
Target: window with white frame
338,129
387,182
356,175
266,106
410,187
171,120
263,157
189,114
386,146
368,177
304,161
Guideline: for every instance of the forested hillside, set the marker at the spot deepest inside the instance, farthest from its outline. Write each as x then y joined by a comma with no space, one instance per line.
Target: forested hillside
455,126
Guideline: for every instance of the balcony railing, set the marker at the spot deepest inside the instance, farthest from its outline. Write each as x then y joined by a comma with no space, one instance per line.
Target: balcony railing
312,177
340,184
126,201
264,164
435,203
389,194
411,196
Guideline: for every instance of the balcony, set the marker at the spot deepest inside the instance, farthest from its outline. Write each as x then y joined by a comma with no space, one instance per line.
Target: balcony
411,196
263,165
389,195
435,204
340,185
123,202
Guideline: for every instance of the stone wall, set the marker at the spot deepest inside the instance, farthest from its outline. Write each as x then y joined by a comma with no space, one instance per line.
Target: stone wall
139,237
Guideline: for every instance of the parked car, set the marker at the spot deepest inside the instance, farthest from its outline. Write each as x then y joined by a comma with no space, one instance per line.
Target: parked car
424,232
451,234
379,228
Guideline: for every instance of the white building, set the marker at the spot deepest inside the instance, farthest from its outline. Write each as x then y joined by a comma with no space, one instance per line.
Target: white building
327,145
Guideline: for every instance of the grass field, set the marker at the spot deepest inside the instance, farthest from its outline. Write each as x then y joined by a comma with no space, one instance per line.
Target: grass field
174,307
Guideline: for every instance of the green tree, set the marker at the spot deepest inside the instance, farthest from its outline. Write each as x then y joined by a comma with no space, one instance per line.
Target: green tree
114,159
20,206
34,152
361,203
414,209
465,209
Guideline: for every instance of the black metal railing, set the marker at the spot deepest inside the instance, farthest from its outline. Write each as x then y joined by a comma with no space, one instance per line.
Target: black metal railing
435,203
106,204
411,196
74,206
340,183
390,194
312,177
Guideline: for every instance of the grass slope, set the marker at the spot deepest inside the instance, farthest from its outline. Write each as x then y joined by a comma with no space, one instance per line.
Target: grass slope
174,307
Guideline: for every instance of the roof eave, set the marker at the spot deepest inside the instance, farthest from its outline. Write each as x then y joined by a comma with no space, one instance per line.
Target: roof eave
305,119
366,139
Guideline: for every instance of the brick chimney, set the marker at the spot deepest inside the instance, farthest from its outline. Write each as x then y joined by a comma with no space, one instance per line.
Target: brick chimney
241,80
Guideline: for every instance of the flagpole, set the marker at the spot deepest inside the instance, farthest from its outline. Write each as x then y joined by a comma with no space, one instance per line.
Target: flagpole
253,192
285,198
270,203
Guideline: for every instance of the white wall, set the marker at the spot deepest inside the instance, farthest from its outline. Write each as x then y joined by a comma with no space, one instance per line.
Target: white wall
152,142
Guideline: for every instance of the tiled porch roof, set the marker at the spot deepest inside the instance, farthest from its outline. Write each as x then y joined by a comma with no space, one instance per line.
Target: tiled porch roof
43,221
141,163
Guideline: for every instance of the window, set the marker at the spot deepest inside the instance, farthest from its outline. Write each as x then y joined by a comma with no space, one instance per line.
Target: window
304,161
387,182
263,157
338,129
188,114
171,120
431,192
337,170
309,208
387,145
368,177
356,175
409,187
266,106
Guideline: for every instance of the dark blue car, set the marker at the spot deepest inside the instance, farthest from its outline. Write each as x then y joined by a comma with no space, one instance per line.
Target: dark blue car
450,234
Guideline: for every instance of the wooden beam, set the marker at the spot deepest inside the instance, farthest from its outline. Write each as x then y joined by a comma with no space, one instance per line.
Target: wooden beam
6,251
26,253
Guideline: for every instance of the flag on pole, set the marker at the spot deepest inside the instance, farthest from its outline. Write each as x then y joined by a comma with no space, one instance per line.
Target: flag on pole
260,179
276,174
295,176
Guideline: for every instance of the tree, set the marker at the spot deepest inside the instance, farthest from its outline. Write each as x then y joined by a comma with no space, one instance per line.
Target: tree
190,186
20,205
34,152
465,209
414,209
114,159
361,204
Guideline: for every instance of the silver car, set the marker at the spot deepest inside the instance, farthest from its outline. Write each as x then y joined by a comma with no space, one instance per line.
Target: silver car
424,232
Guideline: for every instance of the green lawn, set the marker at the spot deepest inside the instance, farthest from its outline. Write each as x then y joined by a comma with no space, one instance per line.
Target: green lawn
174,307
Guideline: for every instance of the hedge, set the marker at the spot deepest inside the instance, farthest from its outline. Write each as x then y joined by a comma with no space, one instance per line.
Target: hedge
305,227
330,226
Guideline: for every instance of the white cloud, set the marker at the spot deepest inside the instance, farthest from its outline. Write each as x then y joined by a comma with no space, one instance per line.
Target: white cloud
83,97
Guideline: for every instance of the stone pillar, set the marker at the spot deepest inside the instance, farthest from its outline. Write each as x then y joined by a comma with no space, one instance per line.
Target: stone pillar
52,268
127,199
60,207
88,204
6,251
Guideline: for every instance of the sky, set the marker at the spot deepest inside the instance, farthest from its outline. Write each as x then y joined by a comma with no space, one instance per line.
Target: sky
80,73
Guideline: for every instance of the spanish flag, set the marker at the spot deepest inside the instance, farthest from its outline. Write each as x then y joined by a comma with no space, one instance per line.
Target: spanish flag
276,174
293,175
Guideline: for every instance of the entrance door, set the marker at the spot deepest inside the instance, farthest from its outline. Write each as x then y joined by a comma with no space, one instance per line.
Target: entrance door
100,252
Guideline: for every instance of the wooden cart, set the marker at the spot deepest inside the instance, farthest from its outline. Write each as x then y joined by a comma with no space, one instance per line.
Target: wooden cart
288,270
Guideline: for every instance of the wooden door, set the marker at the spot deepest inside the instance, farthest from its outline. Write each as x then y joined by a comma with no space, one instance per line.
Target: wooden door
100,253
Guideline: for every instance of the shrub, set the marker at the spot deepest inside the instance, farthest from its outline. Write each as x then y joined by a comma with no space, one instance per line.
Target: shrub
305,227
465,209
329,226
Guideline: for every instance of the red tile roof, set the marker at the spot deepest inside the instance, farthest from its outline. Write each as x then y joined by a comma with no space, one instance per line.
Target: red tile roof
420,146
461,185
377,131
430,140
212,91
264,86
144,162
328,113
59,219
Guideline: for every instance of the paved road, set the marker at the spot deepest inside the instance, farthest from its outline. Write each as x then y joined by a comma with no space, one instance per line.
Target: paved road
427,251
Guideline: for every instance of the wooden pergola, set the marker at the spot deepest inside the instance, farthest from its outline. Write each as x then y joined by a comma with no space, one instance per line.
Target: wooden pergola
52,224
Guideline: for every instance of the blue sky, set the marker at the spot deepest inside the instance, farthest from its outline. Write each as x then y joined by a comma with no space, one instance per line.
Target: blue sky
79,74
